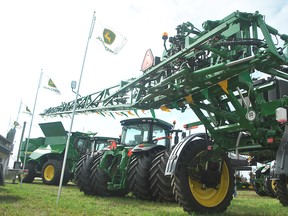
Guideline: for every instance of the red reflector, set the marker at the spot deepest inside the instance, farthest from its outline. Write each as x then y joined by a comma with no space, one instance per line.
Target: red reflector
129,153
270,140
113,145
209,148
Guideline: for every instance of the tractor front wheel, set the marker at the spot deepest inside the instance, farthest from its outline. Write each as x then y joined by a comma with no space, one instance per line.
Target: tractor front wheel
203,181
269,187
160,184
138,175
100,181
83,172
98,186
29,178
51,173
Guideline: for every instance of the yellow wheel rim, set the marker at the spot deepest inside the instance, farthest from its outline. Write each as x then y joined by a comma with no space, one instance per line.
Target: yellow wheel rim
49,173
273,185
211,197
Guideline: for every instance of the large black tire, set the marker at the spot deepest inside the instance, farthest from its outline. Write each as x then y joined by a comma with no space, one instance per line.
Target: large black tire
51,173
259,188
94,177
83,172
269,187
189,191
1,176
282,190
160,184
138,174
99,181
31,167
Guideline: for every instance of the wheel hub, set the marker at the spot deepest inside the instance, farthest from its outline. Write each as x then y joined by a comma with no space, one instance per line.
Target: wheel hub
211,177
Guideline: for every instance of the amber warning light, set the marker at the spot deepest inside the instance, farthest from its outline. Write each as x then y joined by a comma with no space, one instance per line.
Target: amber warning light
165,36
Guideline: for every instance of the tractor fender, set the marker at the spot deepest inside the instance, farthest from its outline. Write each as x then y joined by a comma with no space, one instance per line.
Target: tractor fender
177,151
147,147
282,155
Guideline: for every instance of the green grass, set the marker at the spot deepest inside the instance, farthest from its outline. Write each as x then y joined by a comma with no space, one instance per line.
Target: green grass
39,199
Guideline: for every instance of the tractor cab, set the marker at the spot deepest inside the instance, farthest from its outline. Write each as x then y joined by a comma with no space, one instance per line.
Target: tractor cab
146,132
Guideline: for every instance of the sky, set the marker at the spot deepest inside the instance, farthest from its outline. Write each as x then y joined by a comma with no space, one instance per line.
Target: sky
52,35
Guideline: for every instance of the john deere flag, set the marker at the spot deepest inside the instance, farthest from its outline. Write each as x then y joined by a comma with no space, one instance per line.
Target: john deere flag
50,85
112,40
27,110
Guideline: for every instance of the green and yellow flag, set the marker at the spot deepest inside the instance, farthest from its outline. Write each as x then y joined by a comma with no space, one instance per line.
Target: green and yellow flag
112,40
50,85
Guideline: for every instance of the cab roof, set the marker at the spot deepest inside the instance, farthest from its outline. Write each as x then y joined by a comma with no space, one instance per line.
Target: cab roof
164,124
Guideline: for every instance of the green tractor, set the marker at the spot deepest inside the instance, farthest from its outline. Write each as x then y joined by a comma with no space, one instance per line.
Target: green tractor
263,184
45,154
135,164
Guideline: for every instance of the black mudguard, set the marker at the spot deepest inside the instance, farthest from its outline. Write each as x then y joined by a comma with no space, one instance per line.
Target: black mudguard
282,155
177,151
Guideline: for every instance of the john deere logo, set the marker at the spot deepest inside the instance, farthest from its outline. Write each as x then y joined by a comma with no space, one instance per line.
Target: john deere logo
51,83
109,36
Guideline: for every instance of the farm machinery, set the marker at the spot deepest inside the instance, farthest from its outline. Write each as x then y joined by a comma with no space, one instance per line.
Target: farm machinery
233,75
6,147
263,185
135,164
45,154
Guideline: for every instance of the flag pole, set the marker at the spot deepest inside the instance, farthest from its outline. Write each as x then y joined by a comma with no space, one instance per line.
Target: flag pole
74,108
31,122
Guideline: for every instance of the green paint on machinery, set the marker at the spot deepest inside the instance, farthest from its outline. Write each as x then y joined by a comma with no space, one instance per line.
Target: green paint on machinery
263,185
233,75
131,165
44,156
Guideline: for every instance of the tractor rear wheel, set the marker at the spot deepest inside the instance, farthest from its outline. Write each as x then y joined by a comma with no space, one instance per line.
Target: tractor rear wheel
282,189
160,184
51,173
29,178
83,172
138,174
203,181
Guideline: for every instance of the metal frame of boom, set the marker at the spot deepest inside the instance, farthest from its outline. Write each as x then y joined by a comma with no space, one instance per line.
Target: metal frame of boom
212,73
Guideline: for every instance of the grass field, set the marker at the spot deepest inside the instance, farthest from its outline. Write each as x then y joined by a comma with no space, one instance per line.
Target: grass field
39,199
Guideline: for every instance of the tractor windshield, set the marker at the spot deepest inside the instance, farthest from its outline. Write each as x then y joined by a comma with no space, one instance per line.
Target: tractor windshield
101,143
141,133
135,134
82,145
